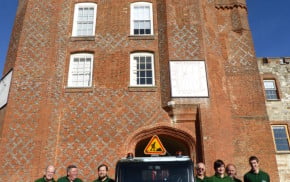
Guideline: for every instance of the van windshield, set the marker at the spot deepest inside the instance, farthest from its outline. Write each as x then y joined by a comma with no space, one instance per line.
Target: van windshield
155,172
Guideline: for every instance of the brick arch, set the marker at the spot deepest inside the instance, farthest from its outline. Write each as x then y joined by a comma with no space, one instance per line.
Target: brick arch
171,132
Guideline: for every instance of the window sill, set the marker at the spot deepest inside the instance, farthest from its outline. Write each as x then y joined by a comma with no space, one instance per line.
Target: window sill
142,37
273,100
142,89
78,89
282,152
82,38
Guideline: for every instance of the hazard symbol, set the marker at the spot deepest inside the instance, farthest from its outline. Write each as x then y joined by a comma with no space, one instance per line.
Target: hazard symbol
155,147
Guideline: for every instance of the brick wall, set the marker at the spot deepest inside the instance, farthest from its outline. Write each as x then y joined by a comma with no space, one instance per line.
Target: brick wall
48,123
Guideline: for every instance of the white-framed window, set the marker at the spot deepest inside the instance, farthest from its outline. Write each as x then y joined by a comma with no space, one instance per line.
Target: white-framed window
141,19
281,138
5,83
80,70
84,19
142,69
271,90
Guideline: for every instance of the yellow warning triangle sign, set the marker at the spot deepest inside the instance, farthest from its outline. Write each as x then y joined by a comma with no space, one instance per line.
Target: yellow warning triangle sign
155,147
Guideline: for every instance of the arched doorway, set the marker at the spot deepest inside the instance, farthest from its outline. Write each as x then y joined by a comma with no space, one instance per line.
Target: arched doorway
172,145
173,139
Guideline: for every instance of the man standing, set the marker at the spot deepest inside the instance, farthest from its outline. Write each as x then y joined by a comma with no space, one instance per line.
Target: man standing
200,172
231,171
255,174
103,174
72,174
219,167
48,175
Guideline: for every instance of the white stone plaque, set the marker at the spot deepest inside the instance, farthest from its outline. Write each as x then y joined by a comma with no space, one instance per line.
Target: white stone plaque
4,89
188,79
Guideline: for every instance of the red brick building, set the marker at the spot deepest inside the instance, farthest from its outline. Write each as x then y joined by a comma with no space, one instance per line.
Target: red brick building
94,80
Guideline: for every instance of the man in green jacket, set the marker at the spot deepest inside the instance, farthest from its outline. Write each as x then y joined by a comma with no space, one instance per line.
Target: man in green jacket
200,172
48,175
231,171
256,174
72,175
103,174
219,167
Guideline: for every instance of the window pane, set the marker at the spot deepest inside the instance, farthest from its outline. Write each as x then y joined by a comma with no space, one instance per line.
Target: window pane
269,84
149,80
85,14
136,31
142,62
146,13
271,95
148,59
141,12
281,138
270,89
85,21
137,13
147,25
141,19
148,31
144,73
148,65
136,24
149,74
82,59
91,14
282,145
80,71
141,25
142,81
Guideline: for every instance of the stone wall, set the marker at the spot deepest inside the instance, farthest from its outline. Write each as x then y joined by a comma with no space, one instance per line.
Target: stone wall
279,110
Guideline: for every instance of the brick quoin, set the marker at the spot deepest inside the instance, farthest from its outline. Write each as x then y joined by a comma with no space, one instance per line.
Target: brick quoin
45,122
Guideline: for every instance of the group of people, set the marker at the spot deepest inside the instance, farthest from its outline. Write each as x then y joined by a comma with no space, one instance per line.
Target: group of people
228,173
72,174
223,173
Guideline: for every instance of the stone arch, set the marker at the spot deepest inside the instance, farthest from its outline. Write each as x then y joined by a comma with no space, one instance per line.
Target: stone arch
169,136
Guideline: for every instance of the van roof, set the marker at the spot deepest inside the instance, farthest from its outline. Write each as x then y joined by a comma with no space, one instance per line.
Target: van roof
156,159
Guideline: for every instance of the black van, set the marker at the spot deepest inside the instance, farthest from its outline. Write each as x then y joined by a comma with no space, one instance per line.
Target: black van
155,169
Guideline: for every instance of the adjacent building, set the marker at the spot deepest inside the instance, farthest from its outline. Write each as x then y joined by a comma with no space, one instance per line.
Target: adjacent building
275,74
